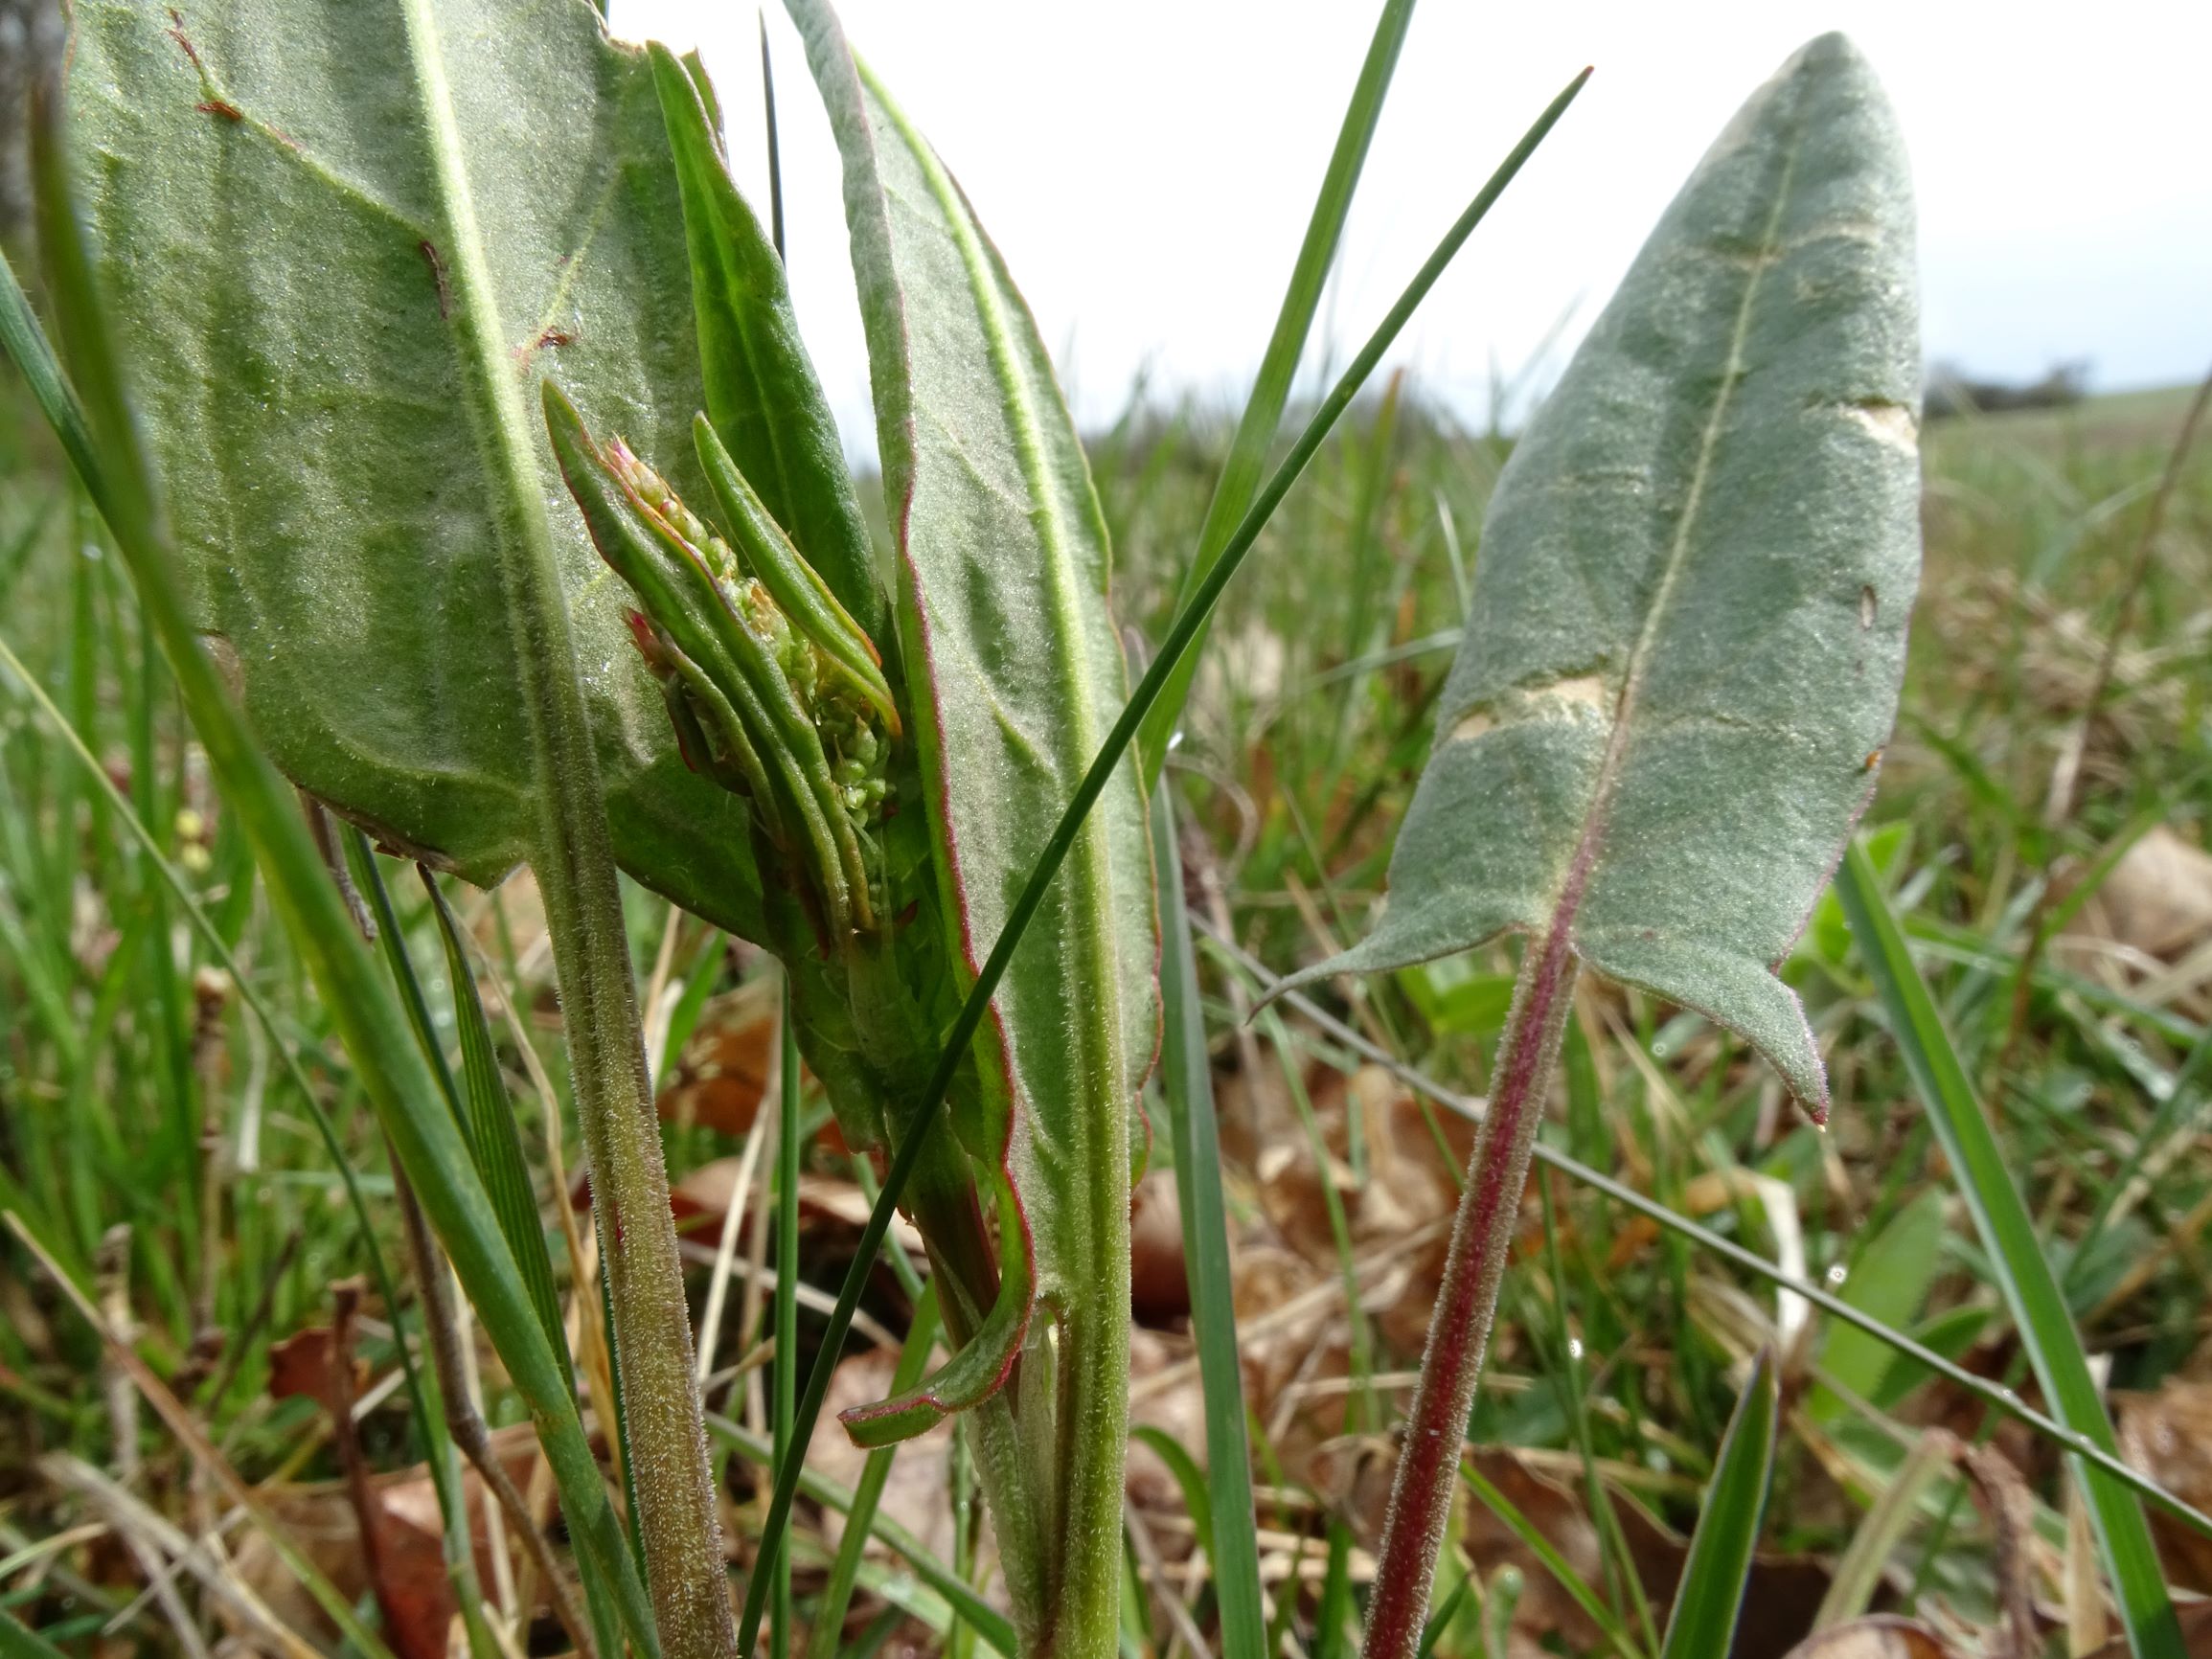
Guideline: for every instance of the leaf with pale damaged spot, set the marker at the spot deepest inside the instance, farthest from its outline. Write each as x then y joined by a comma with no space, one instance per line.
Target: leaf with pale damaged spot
1687,626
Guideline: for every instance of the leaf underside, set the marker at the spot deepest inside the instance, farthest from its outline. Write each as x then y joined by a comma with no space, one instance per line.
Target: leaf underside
264,192
1008,641
1016,676
1687,628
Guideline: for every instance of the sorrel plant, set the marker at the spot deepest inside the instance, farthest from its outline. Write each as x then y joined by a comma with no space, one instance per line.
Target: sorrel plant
477,425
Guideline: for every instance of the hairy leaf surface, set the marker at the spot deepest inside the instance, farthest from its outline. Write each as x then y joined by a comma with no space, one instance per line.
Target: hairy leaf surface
1003,593
1016,676
1687,629
266,190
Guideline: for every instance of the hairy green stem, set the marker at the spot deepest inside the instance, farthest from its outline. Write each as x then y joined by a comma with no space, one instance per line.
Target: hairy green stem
574,862
1466,1301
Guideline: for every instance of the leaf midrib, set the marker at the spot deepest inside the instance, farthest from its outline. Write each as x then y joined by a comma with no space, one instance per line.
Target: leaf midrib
569,849
1055,535
1573,882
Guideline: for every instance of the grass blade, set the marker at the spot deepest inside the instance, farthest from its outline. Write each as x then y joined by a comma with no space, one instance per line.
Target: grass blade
786,1363
1264,411
1187,1084
492,1135
1180,636
2038,1311
986,1621
438,1445
1704,1620
18,1641
829,1622
1440,1621
1561,1570
203,1451
1337,1622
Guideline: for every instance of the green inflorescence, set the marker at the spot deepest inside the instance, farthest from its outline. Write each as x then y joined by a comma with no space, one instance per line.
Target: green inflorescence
773,688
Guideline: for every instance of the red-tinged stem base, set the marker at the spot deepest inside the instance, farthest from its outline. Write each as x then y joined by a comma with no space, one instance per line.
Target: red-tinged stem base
1467,1301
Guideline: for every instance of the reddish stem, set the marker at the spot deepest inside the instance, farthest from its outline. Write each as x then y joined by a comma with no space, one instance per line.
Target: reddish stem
1467,1301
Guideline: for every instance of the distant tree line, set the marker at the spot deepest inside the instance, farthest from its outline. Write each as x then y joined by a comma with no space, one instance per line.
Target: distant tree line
1952,391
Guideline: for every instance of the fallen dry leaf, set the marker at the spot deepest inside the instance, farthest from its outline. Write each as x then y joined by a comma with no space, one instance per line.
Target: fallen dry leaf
320,1521
303,1366
1881,1637
1702,1195
2168,1435
2158,899
1409,1182
1159,1286
517,909
1354,1475
723,1072
828,1207
1177,1411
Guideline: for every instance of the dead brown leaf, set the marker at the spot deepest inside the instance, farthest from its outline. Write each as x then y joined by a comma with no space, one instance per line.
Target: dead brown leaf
1180,1412
832,1211
2168,1435
1354,1475
1881,1637
723,1072
417,1598
516,909
411,1532
1159,1286
1702,1195
2158,899
303,1365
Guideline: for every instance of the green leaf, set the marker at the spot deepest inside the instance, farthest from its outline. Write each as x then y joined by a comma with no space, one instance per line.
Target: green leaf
1456,1000
118,476
762,397
1828,936
1703,1619
1016,676
1688,620
2031,1291
293,278
338,241
911,1151
1888,1282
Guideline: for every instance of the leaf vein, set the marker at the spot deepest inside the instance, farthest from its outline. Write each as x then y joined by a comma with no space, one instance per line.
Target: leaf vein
1572,883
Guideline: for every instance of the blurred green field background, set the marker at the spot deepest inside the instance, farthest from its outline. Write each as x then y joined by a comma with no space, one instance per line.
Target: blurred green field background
2067,941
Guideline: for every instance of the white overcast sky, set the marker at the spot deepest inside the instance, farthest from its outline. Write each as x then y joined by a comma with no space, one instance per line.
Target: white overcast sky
1147,167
